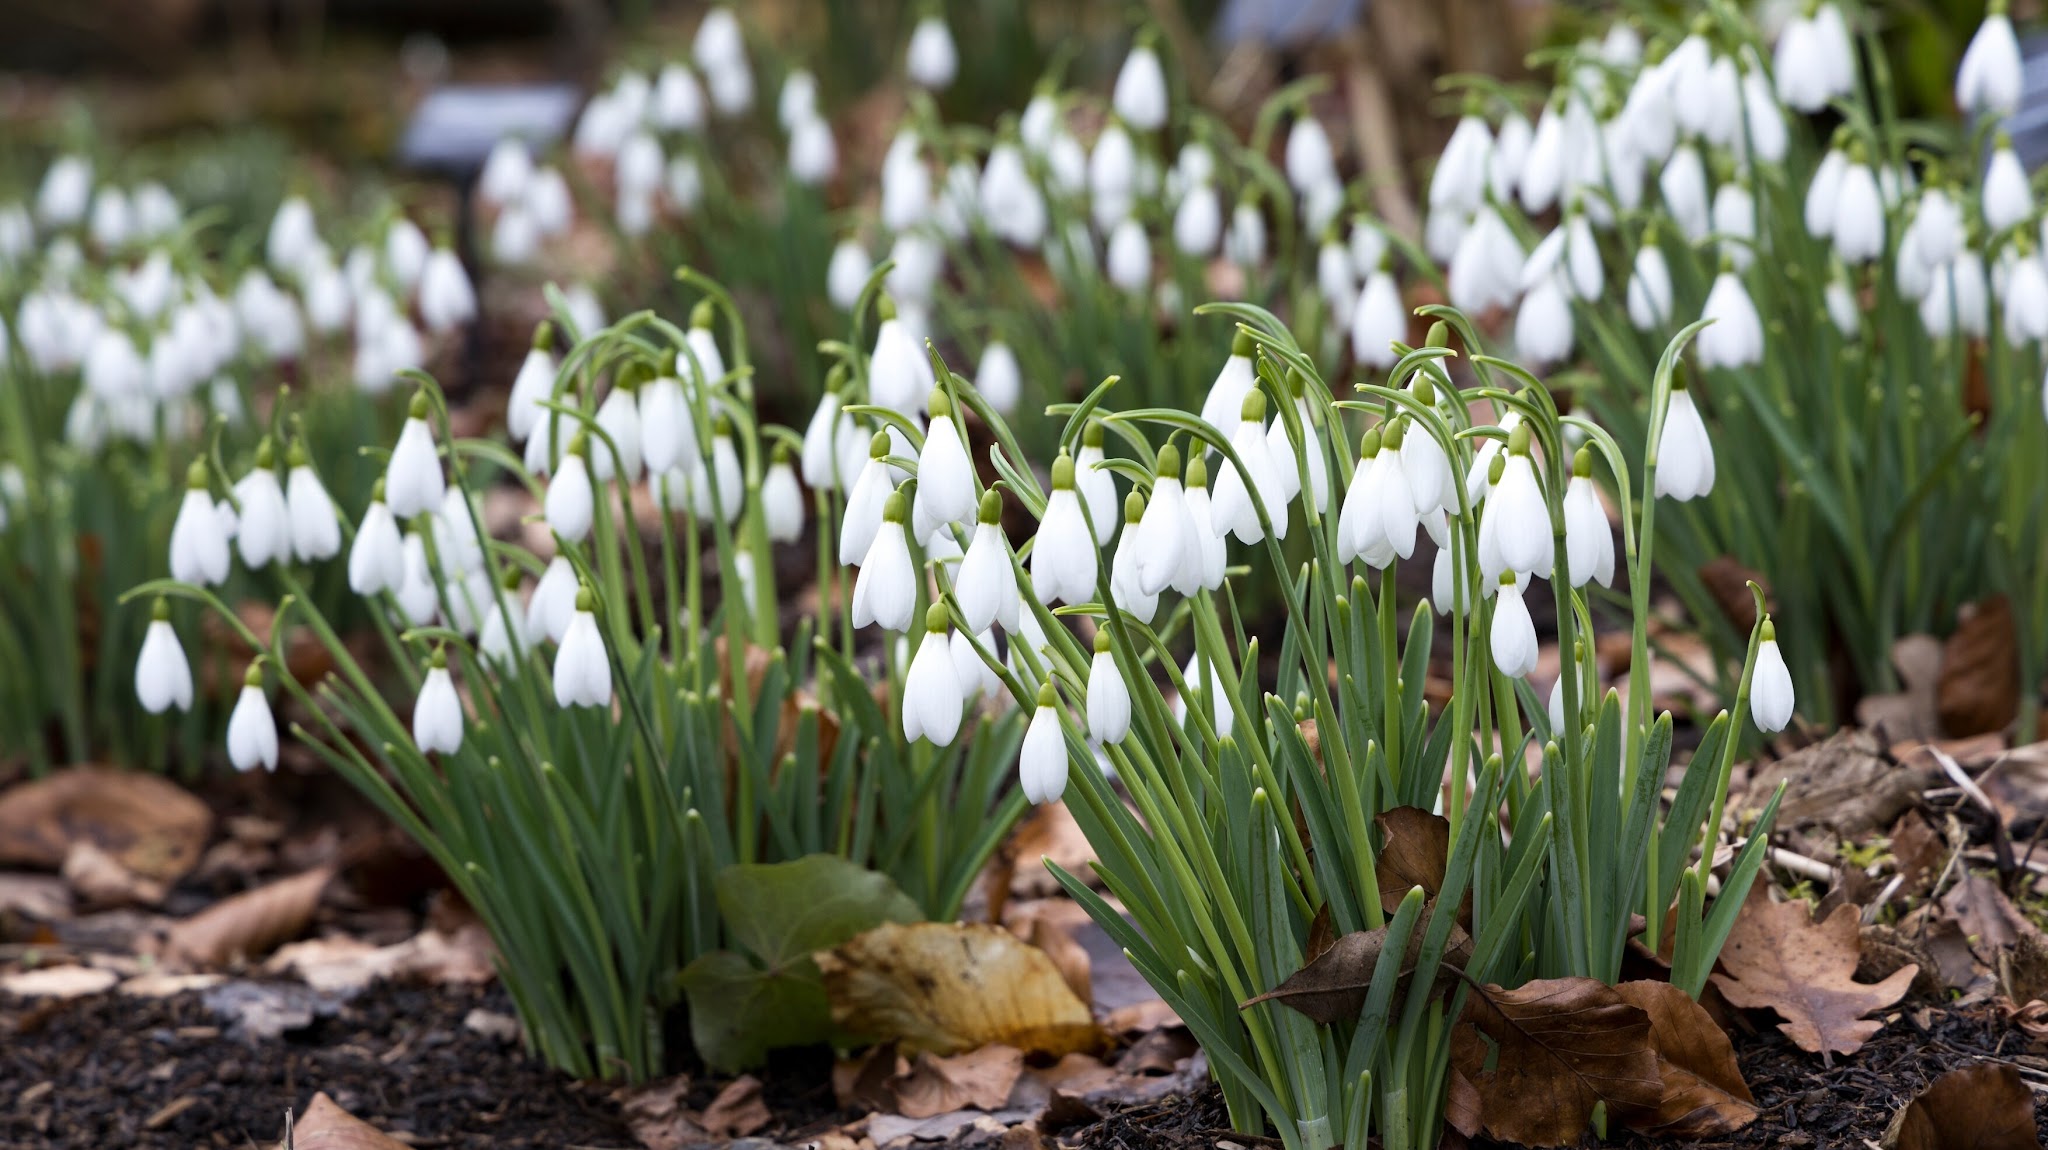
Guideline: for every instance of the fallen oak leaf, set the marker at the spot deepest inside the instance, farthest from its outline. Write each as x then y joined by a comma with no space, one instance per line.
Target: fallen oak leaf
1778,957
946,987
1564,1046
1704,1094
326,1126
250,923
150,825
978,1080
1981,1107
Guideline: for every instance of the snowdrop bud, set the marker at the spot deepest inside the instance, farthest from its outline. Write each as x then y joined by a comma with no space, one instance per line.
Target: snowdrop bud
252,730
1109,698
2008,199
985,588
570,504
1770,686
619,418
1042,761
885,592
315,530
1513,639
1231,507
583,672
1589,542
1441,591
847,274
1140,96
265,530
163,679
1130,256
1094,482
998,377
932,694
199,543
437,714
376,561
1685,456
1203,562
1308,158
1223,407
1123,566
1989,79
534,384
931,60
413,484
1736,337
782,501
866,503
1064,558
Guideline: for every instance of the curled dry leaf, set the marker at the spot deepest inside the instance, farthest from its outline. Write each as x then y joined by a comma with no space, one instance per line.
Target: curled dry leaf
101,881
1560,1046
249,924
737,1111
979,1080
326,1126
150,825
1979,689
946,987
1778,957
58,982
1981,1107
1845,784
1332,987
1704,1094
1910,713
1417,850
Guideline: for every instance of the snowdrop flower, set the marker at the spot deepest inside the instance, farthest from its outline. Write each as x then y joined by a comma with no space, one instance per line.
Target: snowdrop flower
1040,121
1112,176
1007,198
1770,688
1377,320
113,368
111,223
667,428
1124,593
1204,685
1480,479
65,192
1203,562
2026,299
252,730
847,274
945,475
932,693
1842,308
723,470
1308,159
1064,559
315,530
1542,168
405,252
1097,487
413,484
1524,534
1231,507
199,542
265,529
998,377
822,439
1858,224
1377,521
619,418
1649,287
1685,456
1130,256
446,297
1588,541
1334,281
985,589
507,170
1736,338
813,153
782,501
1683,185
1510,152
1824,194
899,375
1140,97
1109,697
866,503
1487,265
1543,324
2008,199
1989,80
163,679
1280,446
292,237
977,677
885,591
583,672
1245,243
798,100
1368,246
1735,223
931,60
417,598
553,605
1042,761
570,504
1459,184
1761,121
1223,406
437,713
376,561
1513,638
1167,539
501,626
1198,222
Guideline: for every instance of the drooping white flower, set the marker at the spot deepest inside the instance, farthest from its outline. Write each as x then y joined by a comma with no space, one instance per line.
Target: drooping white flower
998,377
1124,592
813,153
931,59
1460,182
985,587
413,483
163,679
199,542
1042,760
1516,504
1685,455
1589,542
1683,185
1130,256
2026,299
899,376
418,599
264,531
1112,176
1649,288
570,504
1167,534
1542,169
1245,243
782,501
1736,337
1232,508
1487,267
1770,686
1377,321
1109,698
553,605
1063,557
719,45
1224,405
376,561
1311,471
1096,485
1334,280
1858,225
1760,126
1989,80
1824,194
2008,198
1513,638
847,273
619,418
507,171
65,192
437,713
885,592
1140,94
113,368
1205,687
252,729
667,426
1377,521
945,474
111,223
502,625
798,100
1543,323
583,671
977,677
292,237
716,485
315,529
1843,310
865,503
1198,222
933,697
1308,159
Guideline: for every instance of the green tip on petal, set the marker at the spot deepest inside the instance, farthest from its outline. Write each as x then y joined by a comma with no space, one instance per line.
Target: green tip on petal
1167,466
296,455
1063,472
1507,579
879,445
439,659
1102,640
896,508
1254,408
781,453
885,307
941,407
1242,344
1091,435
195,475
700,316
377,490
1369,444
991,506
935,619
1134,507
253,677
266,454
160,611
1768,632
544,337
579,443
1518,440
418,408
1197,474
1582,463
1047,696
586,599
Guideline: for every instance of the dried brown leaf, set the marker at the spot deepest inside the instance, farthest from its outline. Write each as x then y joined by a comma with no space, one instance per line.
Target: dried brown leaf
1068,955
1989,920
1981,1107
1919,851
1332,987
1418,848
1910,713
1728,582
250,923
1778,957
737,1111
1979,689
101,880
326,1126
947,987
148,824
1704,1094
58,982
979,1080
1563,1045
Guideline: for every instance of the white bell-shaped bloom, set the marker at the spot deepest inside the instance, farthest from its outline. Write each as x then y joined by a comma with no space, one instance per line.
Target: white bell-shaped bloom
1843,310
1589,542
1311,472
549,203
945,474
1042,760
113,368
1761,123
418,599
252,729
2008,199
977,677
1130,256
1543,165
65,192
553,604
1685,456
1989,80
885,592
502,624
413,483
264,531
1124,592
1198,222
315,529
446,297
906,185
1096,485
1377,321
899,376
163,679
813,153
1140,96
1204,685
1824,194
1649,288
1168,531
716,485
1224,405
1735,223
782,503
1377,521
1517,503
437,713
1836,52
865,503
1063,557
1009,202
847,273
999,378
619,418
1109,697
1245,243
293,236
1202,563
933,697
819,457
985,587
1460,181
798,100
1368,245
2026,300
112,224
719,45
1770,686
405,252
199,541
1736,337
667,426
507,171
376,561
571,504
1231,506
1543,323
1513,638
1859,216
1308,159
1487,267
931,60
1683,184
1112,176
583,671
1334,281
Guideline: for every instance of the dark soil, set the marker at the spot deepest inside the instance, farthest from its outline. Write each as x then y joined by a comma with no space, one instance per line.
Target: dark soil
161,1073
